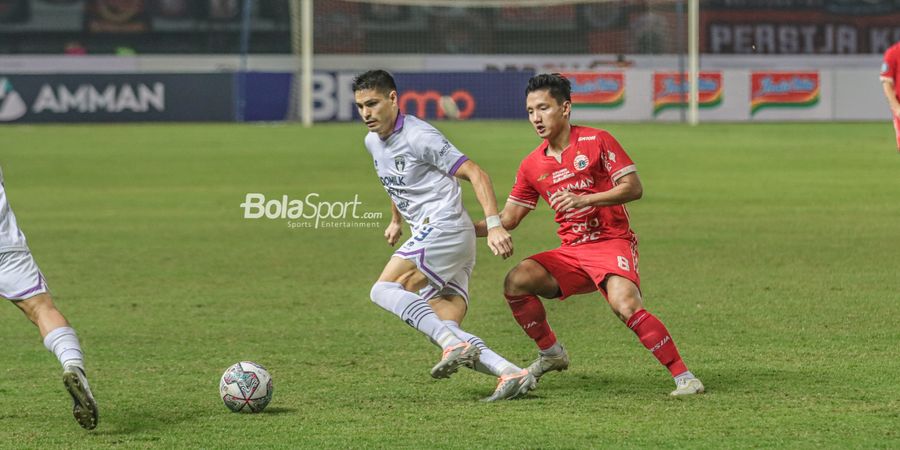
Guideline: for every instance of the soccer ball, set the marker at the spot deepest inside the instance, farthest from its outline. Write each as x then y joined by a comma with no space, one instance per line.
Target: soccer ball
246,387
449,107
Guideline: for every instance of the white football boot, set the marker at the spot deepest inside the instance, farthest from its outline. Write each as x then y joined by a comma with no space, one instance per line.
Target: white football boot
512,386
687,386
546,364
462,354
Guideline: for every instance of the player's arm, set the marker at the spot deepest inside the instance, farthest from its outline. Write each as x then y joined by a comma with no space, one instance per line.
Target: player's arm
891,94
394,229
510,218
628,188
498,238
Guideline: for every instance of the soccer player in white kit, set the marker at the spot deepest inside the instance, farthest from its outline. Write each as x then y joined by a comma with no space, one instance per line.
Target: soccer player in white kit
22,282
426,280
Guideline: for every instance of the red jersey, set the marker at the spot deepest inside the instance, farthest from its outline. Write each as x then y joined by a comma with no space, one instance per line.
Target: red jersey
592,162
889,67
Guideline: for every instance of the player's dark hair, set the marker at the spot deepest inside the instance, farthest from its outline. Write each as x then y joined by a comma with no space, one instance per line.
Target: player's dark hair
377,80
558,85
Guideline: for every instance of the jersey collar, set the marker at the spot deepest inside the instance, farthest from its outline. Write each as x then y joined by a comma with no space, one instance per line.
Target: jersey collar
398,125
572,140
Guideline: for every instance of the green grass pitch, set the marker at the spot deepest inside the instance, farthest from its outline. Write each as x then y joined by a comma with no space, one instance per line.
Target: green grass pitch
771,252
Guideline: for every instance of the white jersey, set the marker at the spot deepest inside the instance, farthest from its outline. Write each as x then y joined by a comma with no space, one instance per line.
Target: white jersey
416,166
11,237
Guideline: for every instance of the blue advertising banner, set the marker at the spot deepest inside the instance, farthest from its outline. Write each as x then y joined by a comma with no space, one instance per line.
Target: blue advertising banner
267,95
210,97
475,95
116,98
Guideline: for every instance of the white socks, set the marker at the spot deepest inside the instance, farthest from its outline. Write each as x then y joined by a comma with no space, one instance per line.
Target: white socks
413,310
489,362
63,342
554,350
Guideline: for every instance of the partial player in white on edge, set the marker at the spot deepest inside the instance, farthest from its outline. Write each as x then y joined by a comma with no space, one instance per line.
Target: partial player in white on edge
426,281
22,282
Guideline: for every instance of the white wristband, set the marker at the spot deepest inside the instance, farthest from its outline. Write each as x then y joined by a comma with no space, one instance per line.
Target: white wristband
493,222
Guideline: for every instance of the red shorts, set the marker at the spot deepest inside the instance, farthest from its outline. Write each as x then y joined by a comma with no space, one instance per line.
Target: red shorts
583,268
897,130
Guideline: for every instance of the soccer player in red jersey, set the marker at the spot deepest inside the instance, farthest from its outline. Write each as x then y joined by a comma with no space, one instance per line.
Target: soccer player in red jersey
891,84
586,177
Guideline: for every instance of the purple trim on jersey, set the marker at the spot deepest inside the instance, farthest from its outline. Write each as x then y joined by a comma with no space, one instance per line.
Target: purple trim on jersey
460,289
420,254
40,284
398,125
458,163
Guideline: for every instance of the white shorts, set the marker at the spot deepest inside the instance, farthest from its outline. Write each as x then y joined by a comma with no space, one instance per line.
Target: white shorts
445,257
20,277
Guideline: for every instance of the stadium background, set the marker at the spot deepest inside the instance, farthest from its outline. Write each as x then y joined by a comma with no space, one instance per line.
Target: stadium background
768,233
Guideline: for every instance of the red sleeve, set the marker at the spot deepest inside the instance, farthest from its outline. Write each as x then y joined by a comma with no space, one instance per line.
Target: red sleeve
889,64
615,160
523,193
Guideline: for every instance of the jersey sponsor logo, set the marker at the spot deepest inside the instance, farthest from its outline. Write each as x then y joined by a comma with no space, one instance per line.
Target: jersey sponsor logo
670,90
581,162
399,163
586,226
611,156
884,68
542,177
783,89
446,148
586,183
562,174
587,138
393,180
12,106
394,192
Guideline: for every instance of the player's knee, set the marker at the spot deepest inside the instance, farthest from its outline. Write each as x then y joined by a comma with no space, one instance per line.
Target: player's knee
36,306
518,281
380,289
625,306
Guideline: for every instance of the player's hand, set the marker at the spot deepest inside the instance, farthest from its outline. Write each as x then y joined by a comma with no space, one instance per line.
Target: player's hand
500,242
565,200
393,232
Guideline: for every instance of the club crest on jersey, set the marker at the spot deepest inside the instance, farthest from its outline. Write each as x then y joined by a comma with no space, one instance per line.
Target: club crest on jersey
399,163
581,162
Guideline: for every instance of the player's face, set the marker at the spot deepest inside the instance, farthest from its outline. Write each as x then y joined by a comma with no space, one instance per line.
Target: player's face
546,114
377,110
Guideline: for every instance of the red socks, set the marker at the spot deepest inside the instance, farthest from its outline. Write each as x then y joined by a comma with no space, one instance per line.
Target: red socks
654,335
531,316
529,312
